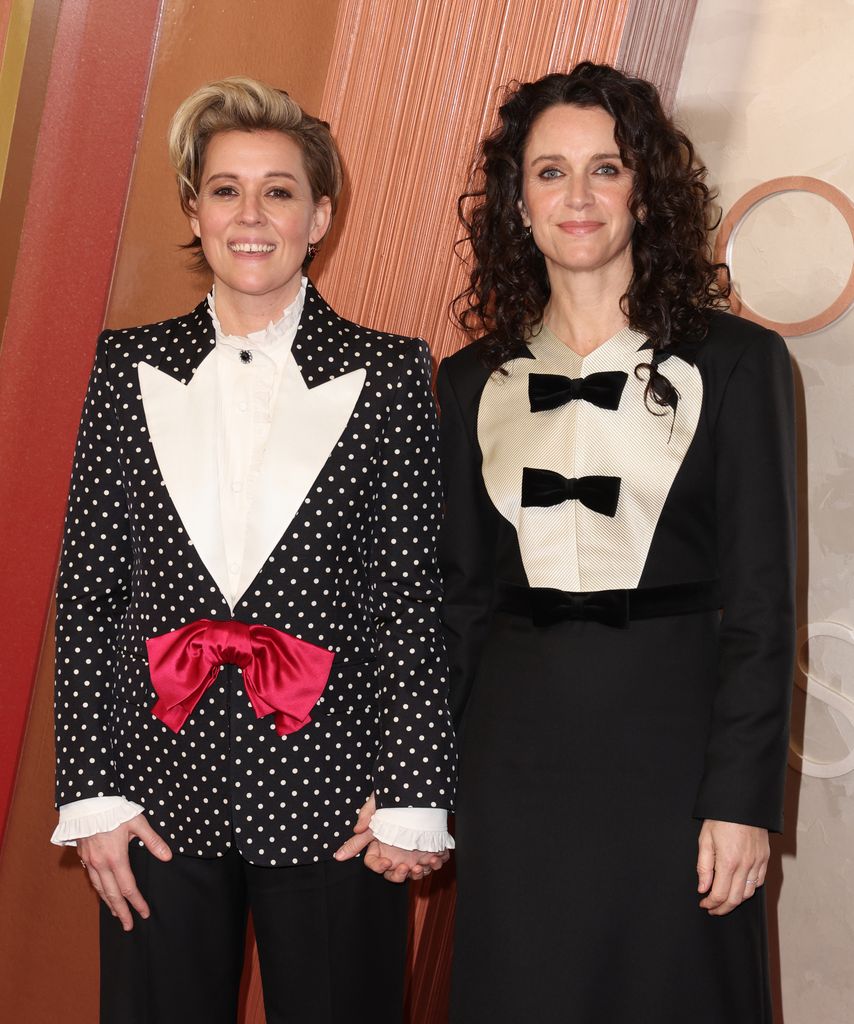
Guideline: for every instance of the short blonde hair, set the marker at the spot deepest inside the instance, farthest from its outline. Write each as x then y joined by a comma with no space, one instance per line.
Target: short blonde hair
245,104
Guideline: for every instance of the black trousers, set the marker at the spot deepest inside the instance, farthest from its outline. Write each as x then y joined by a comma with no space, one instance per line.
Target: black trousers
331,943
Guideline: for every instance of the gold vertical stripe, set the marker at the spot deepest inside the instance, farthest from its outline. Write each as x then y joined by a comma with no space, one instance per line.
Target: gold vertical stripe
11,70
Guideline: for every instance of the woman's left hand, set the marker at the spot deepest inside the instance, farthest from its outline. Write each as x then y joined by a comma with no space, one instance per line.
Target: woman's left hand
731,864
394,863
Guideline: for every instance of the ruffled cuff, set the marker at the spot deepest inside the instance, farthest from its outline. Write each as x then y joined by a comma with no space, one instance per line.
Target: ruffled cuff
413,828
84,818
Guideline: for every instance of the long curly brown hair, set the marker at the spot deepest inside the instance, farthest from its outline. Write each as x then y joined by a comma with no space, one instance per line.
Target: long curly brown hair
674,281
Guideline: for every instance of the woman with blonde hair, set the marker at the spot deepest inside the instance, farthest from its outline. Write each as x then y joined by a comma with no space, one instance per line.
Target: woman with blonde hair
250,686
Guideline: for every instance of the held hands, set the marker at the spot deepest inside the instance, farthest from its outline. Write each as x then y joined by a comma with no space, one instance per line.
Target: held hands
105,857
393,863
731,864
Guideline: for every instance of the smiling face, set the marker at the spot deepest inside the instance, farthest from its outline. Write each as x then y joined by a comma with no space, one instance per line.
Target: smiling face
256,216
575,193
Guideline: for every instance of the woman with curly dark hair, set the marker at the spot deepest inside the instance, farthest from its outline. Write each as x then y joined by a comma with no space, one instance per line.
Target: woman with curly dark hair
619,563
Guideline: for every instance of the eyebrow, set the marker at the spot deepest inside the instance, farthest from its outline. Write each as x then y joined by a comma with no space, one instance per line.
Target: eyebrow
234,177
552,157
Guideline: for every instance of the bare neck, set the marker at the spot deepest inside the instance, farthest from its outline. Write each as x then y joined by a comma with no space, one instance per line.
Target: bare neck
584,309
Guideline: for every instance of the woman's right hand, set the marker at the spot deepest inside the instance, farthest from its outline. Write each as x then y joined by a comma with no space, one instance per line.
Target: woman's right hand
105,857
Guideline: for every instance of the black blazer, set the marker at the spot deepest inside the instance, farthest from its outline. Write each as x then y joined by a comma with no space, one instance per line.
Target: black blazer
353,570
728,516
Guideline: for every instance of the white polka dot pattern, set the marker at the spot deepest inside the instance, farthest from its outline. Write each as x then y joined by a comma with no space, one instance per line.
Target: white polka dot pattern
355,572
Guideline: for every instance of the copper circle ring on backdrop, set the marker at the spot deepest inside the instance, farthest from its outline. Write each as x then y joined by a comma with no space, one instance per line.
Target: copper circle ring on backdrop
736,217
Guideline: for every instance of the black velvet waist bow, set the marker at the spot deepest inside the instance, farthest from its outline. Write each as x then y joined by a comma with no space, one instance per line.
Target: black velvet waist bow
617,608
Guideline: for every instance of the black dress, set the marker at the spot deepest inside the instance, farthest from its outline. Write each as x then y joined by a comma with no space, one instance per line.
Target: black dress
606,703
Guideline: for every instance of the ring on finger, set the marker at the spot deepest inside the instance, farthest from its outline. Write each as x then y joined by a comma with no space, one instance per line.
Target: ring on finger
751,881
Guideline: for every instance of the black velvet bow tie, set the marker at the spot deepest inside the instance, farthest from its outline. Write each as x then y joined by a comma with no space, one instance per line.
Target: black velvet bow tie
552,390
542,487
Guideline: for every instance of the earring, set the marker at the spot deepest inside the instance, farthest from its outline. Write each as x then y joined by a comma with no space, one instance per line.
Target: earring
311,252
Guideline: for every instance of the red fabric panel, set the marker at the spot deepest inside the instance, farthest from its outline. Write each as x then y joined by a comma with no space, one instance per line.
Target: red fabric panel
87,140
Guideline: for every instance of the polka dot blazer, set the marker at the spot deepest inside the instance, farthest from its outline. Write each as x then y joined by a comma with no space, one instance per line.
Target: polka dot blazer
354,571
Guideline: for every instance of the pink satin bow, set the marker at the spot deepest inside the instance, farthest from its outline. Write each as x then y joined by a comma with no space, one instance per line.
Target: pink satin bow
281,673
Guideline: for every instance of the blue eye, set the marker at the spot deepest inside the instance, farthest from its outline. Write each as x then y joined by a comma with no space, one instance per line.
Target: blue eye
607,170
550,172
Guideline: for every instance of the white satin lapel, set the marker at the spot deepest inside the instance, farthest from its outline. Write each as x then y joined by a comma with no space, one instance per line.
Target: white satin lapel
182,425
307,424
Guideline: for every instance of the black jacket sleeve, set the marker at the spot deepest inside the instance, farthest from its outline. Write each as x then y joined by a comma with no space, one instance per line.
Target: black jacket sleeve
416,765
92,595
467,550
756,513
